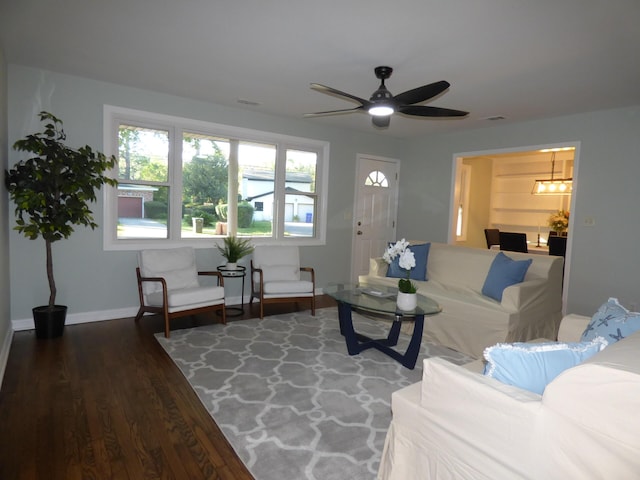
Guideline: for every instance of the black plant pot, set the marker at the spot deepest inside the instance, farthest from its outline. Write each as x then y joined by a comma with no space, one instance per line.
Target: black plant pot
49,321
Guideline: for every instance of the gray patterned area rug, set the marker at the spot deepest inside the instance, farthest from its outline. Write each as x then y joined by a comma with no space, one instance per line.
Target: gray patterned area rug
290,400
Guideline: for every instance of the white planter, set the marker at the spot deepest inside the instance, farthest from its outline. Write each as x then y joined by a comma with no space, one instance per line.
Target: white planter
407,301
231,266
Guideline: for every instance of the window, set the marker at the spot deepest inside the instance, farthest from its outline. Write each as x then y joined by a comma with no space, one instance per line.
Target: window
184,181
377,179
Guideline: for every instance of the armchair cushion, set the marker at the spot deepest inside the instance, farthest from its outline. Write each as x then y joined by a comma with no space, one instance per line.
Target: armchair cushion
275,273
277,263
189,297
288,287
178,269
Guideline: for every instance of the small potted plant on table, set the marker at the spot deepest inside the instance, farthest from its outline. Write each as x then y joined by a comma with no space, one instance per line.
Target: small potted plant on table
407,290
233,249
52,191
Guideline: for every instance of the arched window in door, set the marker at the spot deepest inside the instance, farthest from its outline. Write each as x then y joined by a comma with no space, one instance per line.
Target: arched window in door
376,179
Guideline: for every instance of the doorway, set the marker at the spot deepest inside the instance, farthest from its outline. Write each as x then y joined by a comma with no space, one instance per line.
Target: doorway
498,192
375,210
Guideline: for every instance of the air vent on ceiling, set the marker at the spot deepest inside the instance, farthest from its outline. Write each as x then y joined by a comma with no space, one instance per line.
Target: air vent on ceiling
244,101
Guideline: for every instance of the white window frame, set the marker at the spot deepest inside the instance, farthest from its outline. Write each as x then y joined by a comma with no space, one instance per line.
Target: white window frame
113,116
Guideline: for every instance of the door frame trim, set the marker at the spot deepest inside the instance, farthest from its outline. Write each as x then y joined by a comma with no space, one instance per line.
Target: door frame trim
361,157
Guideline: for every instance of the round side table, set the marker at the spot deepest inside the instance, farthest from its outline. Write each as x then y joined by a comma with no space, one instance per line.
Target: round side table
238,272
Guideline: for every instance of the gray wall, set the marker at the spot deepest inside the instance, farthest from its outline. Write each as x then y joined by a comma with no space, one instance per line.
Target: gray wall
5,322
604,258
92,280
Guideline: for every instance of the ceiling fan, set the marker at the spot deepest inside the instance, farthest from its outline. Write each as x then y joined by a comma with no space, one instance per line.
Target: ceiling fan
382,104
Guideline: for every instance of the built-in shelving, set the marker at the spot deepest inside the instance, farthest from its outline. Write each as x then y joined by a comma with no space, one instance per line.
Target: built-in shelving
513,207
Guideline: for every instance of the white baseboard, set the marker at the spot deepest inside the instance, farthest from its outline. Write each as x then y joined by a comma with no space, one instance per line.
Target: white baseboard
82,317
97,316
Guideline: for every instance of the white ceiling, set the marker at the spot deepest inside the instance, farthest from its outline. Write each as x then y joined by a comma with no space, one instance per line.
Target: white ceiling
517,59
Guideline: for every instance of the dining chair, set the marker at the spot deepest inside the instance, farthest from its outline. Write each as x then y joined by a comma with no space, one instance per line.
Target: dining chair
492,236
513,242
168,285
557,245
276,277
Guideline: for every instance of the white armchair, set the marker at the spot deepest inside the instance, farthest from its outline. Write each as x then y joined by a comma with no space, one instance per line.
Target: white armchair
276,277
168,285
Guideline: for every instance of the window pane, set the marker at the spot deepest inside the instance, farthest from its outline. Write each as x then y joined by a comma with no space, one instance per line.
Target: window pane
299,215
205,173
301,170
256,176
376,179
142,211
143,154
300,209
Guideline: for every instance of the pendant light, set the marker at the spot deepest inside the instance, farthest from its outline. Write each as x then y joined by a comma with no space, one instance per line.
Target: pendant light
553,186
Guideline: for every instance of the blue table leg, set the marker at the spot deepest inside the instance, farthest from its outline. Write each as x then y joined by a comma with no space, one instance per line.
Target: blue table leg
356,342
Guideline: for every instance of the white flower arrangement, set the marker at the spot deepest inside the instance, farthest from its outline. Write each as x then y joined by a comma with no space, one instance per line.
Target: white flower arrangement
406,260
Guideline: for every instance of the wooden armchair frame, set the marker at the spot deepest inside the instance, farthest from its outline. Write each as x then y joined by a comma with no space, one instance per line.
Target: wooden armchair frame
259,295
164,309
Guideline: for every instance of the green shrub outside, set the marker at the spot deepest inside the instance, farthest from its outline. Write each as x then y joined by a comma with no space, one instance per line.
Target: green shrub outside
155,210
245,215
213,213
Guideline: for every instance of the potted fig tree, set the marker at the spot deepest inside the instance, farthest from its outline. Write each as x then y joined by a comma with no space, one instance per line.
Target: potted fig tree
52,191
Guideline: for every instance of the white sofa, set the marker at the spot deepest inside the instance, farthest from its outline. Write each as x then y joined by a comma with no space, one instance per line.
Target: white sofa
470,321
459,424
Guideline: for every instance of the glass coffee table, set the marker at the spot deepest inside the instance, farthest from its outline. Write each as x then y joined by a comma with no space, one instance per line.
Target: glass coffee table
380,300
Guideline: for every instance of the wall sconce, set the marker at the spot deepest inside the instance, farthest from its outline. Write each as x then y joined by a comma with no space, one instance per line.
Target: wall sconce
553,186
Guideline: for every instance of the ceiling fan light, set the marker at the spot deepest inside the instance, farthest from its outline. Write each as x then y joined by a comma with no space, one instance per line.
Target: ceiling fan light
381,110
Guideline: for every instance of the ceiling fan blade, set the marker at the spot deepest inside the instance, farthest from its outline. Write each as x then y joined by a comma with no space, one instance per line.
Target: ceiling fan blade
423,93
334,112
333,91
425,111
380,121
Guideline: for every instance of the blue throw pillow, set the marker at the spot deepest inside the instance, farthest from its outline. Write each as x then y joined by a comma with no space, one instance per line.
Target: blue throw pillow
613,322
419,272
503,273
532,366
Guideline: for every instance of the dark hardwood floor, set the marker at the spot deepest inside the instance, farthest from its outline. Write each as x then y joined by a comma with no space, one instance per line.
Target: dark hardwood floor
105,402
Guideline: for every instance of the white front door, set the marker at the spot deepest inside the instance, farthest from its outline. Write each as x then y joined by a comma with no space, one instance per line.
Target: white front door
375,210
